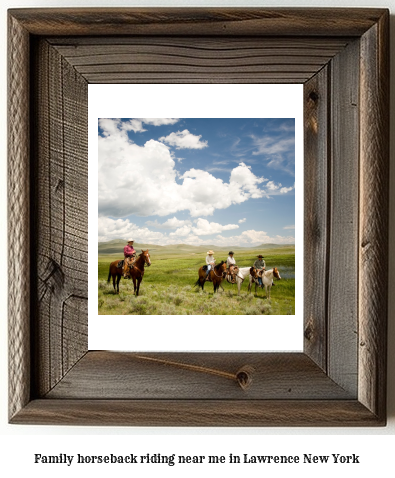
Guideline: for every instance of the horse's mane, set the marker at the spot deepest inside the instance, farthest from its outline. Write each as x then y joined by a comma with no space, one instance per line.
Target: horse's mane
219,265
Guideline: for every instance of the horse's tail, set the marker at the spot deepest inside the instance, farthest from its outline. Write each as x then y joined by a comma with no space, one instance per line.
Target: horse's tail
197,283
109,274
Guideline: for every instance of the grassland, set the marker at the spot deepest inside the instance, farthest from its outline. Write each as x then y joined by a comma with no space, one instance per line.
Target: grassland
168,285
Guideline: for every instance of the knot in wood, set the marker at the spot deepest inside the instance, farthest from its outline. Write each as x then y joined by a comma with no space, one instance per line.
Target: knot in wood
308,332
313,96
244,376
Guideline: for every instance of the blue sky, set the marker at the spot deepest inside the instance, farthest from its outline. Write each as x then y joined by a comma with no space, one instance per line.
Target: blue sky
197,181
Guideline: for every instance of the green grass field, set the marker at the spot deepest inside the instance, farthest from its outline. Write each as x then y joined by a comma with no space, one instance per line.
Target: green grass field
168,285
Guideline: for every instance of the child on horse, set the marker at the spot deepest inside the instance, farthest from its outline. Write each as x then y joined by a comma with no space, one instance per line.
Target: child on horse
231,265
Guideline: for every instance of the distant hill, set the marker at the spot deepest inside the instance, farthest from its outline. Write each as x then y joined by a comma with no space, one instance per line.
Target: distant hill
270,246
116,247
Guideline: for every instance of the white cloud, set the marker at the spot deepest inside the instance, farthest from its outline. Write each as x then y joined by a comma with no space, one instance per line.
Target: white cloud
289,227
182,232
159,121
242,220
143,180
171,223
271,186
252,238
286,190
114,125
135,179
184,140
110,126
278,152
134,125
273,145
203,228
244,179
110,229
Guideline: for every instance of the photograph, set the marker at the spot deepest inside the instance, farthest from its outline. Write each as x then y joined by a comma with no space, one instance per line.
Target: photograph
196,216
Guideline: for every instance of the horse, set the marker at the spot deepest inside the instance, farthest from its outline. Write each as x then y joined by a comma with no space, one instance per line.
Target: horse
267,279
229,276
216,275
241,274
136,271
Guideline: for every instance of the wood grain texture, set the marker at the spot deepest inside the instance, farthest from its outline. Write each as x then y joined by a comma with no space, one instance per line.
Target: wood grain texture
373,227
316,227
229,22
61,199
344,215
348,224
202,413
186,60
18,217
284,376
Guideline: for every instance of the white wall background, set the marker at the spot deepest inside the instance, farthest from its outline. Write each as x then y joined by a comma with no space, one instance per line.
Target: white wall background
19,443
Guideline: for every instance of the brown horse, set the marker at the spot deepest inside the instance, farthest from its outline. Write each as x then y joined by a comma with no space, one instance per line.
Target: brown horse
215,275
136,272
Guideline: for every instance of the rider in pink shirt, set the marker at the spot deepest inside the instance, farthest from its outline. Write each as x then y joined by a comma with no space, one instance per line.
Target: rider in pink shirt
128,250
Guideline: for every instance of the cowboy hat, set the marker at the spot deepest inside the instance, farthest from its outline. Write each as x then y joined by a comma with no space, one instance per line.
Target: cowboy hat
210,252
260,255
130,240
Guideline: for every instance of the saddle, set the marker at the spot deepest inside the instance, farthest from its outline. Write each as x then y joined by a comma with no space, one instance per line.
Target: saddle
207,277
232,275
122,263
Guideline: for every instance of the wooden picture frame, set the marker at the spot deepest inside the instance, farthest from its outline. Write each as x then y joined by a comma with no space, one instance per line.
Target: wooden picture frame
342,58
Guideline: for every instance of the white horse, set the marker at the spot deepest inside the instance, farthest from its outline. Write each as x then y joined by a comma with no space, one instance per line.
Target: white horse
242,274
267,279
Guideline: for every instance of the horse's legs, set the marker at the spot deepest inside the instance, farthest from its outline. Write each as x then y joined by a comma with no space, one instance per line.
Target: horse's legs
113,282
134,285
138,286
118,280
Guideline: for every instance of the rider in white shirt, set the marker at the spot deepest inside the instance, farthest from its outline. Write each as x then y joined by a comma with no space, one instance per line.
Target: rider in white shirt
210,261
230,264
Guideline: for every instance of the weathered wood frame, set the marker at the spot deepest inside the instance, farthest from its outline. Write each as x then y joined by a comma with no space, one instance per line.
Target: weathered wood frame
342,58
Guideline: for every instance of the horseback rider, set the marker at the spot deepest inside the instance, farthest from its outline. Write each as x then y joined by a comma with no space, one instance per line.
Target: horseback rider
231,265
210,261
261,266
130,255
